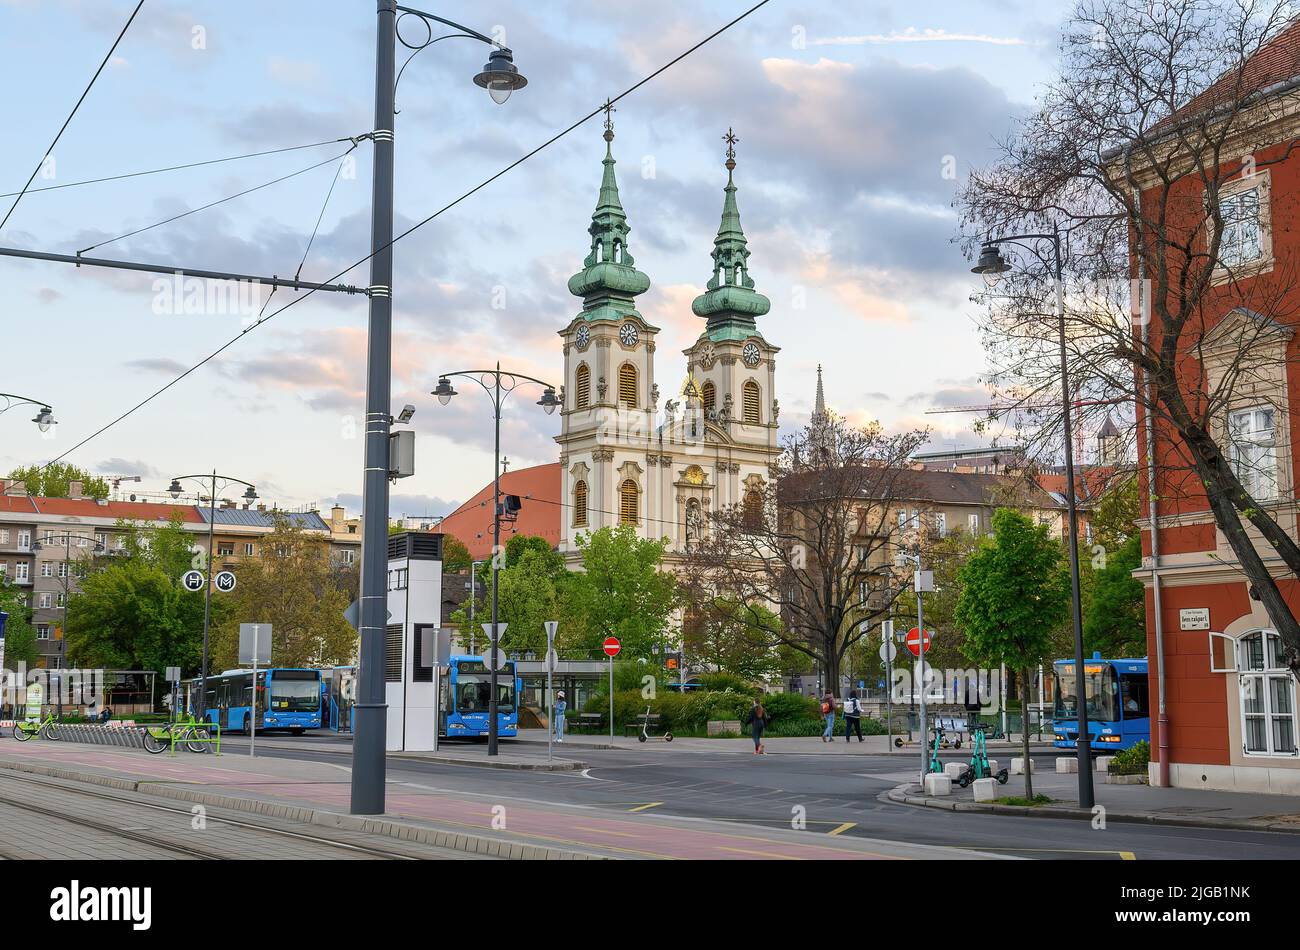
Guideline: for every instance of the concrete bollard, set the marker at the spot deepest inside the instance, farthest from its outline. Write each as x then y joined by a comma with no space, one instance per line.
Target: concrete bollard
1018,766
1103,762
1066,764
937,784
993,766
986,789
954,769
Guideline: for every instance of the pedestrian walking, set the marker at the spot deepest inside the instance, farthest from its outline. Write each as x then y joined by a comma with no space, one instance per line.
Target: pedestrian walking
757,720
560,707
853,716
828,712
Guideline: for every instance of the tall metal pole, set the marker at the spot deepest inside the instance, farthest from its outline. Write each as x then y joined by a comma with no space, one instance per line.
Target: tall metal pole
1083,744
371,709
920,632
207,600
496,562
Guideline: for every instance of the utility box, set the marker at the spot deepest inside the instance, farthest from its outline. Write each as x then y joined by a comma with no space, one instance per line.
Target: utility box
414,609
401,454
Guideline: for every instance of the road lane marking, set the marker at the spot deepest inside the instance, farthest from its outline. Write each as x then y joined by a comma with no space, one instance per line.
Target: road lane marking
842,828
761,854
605,831
645,806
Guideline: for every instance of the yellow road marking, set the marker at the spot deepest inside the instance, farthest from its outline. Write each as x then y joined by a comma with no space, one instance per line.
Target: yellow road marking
645,806
761,854
1124,855
842,828
605,831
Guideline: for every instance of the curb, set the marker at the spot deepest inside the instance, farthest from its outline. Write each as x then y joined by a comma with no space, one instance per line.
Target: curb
379,825
560,765
901,795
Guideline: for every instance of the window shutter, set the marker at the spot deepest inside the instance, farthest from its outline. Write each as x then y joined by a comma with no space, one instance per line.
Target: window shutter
628,503
580,504
710,397
627,385
750,407
584,386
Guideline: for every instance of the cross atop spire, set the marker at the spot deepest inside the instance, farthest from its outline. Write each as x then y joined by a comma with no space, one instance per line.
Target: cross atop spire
731,140
609,119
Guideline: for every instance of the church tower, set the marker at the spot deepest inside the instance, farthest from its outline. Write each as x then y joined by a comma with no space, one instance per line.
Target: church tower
609,387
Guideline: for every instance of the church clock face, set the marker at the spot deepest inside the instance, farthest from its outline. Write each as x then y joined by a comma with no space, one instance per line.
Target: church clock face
750,354
707,354
584,336
627,334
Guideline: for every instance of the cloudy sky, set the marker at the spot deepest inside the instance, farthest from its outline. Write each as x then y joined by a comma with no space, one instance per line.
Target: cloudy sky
857,122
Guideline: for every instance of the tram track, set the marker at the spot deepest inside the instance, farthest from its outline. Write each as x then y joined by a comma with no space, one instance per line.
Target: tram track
27,781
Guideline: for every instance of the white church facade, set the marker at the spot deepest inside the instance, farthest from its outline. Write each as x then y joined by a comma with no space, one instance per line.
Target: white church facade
662,460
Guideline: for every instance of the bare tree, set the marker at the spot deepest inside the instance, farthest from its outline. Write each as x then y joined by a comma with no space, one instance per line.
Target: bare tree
799,554
1138,153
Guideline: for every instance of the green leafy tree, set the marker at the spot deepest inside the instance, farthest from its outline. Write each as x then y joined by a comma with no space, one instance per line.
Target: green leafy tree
531,590
455,556
621,591
1114,520
292,586
733,637
20,638
1115,622
131,611
51,481
1015,594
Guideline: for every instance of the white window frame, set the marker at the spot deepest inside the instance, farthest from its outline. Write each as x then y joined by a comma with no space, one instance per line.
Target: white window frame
42,631
21,572
47,568
249,549
24,540
4,536
1242,242
1254,680
44,600
1259,472
941,524
1227,649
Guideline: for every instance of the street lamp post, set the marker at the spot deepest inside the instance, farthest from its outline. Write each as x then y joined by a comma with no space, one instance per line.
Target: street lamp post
44,417
498,385
499,77
991,263
250,495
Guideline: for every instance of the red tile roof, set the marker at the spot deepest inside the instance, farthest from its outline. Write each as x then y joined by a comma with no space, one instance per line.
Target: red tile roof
1277,61
20,504
539,487
127,510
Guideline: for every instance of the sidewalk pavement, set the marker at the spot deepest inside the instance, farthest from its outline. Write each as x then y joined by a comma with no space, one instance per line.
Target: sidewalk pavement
801,745
497,824
1186,807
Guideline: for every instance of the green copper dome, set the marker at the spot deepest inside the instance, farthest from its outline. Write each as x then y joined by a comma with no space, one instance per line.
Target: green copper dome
731,303
609,280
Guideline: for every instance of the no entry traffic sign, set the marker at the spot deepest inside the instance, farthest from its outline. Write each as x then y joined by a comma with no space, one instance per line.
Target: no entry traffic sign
612,646
914,641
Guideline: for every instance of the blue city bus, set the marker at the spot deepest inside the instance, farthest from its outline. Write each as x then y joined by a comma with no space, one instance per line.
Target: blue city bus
287,699
1118,703
338,692
464,694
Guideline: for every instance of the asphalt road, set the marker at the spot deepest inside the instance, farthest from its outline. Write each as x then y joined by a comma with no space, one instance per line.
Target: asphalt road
832,794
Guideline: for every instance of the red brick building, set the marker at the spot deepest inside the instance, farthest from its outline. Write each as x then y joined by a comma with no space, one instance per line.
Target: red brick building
1230,716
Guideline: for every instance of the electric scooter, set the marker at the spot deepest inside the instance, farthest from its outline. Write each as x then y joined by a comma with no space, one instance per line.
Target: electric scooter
645,725
979,761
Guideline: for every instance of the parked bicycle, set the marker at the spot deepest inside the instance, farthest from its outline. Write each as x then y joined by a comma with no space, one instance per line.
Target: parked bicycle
30,729
193,735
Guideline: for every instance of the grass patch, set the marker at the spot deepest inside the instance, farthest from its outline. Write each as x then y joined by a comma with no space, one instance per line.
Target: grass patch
1037,800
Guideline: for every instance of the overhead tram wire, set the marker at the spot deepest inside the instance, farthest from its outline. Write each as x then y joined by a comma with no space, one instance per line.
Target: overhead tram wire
63,128
176,168
213,204
415,227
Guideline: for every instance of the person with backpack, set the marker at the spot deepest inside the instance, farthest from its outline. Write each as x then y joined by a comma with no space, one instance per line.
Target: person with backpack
853,716
757,720
828,711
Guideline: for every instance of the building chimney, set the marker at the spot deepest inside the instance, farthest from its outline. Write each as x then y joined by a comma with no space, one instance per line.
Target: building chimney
75,489
261,507
15,486
337,514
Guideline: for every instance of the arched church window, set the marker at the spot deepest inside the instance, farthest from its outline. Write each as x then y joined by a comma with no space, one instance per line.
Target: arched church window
580,504
710,397
627,385
753,510
583,386
629,503
750,403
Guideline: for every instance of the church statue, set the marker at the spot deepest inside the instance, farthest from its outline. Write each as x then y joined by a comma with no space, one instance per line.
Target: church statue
601,388
776,410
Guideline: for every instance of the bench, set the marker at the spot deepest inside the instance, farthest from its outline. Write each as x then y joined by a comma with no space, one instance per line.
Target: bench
584,721
651,724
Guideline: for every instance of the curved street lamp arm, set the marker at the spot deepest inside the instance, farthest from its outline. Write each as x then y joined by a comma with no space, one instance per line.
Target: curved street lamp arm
1019,241
475,34
12,400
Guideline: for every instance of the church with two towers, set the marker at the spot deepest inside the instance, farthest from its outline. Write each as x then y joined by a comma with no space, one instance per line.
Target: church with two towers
660,459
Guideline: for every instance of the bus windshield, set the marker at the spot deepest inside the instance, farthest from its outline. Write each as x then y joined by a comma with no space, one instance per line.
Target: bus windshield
1101,691
295,695
474,691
